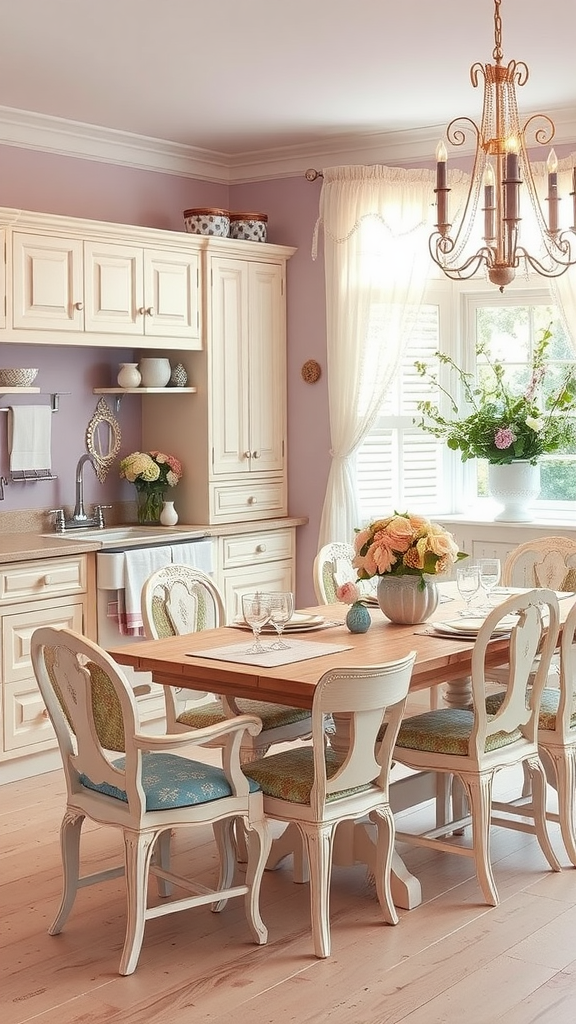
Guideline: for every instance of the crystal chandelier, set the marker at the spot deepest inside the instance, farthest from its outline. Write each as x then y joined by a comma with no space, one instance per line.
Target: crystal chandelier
502,177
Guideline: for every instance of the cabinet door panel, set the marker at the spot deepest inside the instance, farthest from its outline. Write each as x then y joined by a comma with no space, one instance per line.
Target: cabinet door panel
229,367
26,723
113,285
267,387
17,633
271,577
171,295
47,283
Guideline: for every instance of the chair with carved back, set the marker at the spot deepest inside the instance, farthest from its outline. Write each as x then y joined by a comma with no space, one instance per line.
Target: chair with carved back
145,787
474,744
556,743
317,787
178,599
333,567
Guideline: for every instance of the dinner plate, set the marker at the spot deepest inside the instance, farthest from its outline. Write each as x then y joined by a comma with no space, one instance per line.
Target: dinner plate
302,628
469,628
301,622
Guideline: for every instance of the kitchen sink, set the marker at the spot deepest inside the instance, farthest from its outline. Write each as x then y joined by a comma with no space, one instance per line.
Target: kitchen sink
114,535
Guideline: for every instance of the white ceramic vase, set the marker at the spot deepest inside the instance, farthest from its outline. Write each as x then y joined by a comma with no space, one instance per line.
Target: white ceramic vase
155,371
404,600
168,515
515,487
129,376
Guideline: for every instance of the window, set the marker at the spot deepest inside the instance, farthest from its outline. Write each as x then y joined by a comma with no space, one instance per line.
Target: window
402,467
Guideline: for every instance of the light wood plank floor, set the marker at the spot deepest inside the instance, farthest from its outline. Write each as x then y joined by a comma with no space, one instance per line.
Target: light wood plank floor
452,959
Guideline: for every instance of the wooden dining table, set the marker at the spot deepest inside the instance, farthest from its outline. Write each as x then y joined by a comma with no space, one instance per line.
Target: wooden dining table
177,661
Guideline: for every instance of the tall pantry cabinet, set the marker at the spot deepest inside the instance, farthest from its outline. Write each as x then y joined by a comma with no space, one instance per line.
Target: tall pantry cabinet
231,434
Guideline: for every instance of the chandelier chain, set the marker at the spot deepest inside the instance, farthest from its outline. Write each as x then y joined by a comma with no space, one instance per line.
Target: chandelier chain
497,52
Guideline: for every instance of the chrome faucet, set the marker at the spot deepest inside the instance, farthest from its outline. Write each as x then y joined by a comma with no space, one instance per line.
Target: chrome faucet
79,518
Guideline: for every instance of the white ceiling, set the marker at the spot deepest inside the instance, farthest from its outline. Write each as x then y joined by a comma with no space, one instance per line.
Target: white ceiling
228,79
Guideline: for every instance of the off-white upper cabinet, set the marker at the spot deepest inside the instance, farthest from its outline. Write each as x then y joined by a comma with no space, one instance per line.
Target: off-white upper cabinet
236,423
248,371
83,278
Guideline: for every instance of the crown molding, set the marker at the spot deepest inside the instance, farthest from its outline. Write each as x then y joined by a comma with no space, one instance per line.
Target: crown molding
49,134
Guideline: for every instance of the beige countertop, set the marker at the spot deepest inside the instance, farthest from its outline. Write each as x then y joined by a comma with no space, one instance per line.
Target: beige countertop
18,547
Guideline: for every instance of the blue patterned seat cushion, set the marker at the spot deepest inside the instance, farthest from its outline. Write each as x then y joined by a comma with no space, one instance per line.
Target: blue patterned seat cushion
447,731
548,708
171,781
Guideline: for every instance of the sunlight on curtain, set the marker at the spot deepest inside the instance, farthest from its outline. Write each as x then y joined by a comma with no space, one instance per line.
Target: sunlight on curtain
564,287
376,221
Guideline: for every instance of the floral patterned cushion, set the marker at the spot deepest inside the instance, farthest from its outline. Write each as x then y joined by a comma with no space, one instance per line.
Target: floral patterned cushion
106,706
447,731
548,708
172,781
272,715
289,775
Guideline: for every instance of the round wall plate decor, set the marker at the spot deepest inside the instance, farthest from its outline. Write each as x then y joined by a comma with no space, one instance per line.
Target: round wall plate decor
311,371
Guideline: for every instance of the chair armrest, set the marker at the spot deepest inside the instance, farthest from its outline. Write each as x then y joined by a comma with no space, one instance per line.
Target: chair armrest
200,737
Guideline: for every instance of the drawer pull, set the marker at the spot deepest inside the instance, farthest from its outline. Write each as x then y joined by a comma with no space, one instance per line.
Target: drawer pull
260,549
49,580
45,714
251,499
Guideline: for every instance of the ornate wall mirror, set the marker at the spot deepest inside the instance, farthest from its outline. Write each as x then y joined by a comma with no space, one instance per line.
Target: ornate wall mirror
103,438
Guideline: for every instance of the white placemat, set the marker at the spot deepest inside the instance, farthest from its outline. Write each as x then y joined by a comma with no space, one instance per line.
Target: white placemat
299,650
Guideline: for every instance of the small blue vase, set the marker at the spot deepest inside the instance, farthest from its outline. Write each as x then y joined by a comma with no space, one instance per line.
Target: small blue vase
358,618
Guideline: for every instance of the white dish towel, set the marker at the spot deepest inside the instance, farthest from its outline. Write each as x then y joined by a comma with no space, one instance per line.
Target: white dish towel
198,554
139,563
29,437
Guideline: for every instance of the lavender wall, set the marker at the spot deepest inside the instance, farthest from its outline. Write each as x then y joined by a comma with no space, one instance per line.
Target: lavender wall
81,188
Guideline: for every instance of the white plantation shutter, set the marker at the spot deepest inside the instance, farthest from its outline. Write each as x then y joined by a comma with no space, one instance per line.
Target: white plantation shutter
400,466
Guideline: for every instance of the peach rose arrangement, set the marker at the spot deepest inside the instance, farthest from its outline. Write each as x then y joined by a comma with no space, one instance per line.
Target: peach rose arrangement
404,545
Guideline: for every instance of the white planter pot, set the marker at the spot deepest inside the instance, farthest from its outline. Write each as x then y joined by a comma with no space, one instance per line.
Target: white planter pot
404,600
514,487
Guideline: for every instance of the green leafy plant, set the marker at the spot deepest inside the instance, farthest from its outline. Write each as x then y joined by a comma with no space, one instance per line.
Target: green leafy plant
501,425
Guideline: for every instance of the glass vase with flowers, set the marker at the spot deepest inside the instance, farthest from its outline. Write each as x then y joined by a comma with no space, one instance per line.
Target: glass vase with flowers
151,473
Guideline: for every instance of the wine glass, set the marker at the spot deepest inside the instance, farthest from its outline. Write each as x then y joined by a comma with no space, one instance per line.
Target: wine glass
468,583
256,610
489,577
281,611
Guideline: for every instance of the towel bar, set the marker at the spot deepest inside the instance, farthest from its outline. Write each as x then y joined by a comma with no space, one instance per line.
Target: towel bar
27,475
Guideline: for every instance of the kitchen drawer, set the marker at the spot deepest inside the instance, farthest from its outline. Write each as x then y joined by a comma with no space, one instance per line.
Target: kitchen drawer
26,722
254,548
247,499
48,577
17,630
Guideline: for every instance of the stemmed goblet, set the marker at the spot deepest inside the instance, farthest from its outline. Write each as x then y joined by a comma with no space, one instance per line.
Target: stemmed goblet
489,577
468,583
281,611
256,609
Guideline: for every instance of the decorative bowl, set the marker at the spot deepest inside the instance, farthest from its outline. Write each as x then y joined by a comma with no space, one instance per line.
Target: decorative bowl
17,378
207,222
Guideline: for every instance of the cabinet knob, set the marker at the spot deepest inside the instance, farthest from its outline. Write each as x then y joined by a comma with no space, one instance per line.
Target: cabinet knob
260,549
150,311
142,310
256,455
79,305
251,499
247,455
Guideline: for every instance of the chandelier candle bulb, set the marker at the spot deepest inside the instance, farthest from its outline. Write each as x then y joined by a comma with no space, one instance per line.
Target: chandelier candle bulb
441,189
552,165
512,180
489,208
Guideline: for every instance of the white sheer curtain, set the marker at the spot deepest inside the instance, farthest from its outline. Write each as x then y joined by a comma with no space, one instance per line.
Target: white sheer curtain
564,287
376,222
